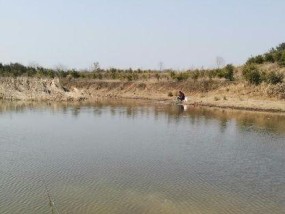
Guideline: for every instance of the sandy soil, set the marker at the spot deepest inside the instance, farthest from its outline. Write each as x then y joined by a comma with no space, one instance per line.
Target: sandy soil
236,95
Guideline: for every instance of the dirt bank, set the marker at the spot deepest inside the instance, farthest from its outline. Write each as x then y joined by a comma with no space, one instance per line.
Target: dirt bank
216,93
24,88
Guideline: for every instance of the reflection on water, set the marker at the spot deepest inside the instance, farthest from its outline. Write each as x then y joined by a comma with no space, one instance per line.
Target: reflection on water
140,157
271,122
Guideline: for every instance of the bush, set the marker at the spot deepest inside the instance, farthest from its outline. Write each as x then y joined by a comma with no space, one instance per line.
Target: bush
74,74
172,74
274,55
220,73
269,57
259,59
281,47
182,76
212,73
251,60
130,77
282,59
277,56
157,76
252,74
229,72
274,78
195,75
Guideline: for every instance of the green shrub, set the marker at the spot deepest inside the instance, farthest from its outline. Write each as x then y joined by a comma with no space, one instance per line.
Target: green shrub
277,56
100,76
282,59
182,76
274,78
212,73
259,59
269,57
50,73
62,74
74,74
229,72
114,73
157,76
274,55
135,76
250,60
129,77
220,73
252,74
172,74
281,47
195,75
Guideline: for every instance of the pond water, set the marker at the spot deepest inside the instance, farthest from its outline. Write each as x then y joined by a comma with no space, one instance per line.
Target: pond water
127,157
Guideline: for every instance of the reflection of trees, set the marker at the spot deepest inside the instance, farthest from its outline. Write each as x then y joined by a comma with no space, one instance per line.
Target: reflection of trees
97,111
75,111
223,123
172,113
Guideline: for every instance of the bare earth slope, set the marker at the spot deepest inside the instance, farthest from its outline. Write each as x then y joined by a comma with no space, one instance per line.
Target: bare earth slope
24,88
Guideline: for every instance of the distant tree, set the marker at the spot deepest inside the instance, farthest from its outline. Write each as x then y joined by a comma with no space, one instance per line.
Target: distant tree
96,66
160,65
220,61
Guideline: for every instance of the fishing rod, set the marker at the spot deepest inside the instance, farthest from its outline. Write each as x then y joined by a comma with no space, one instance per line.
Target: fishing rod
54,210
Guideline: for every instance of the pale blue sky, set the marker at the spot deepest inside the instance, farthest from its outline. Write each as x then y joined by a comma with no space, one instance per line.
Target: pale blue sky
138,33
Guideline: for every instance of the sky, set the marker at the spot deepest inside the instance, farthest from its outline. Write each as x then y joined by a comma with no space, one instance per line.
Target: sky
178,34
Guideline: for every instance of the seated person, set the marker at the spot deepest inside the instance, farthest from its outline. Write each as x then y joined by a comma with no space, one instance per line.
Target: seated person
181,96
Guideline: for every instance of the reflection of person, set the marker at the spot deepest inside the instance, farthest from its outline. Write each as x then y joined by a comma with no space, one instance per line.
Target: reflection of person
181,109
181,96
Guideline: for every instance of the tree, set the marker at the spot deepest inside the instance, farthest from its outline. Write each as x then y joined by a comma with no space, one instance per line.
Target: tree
96,66
220,61
160,64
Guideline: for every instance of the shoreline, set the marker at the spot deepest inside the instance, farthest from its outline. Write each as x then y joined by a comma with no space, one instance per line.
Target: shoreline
198,102
206,93
164,101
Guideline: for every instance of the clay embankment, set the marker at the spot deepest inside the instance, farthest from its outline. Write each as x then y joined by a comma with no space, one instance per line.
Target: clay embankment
217,93
24,88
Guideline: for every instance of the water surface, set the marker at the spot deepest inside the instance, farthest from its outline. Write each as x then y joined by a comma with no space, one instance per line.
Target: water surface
136,157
